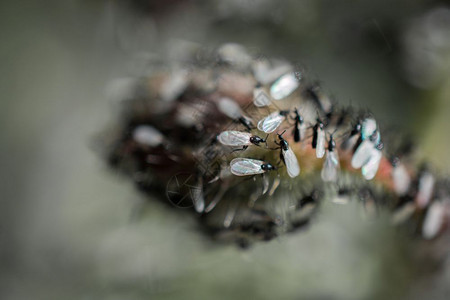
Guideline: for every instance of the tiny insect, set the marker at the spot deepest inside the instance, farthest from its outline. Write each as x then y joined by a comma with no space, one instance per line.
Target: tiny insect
232,110
174,85
318,141
368,128
434,220
288,157
284,86
331,164
260,98
297,132
363,153
247,166
147,135
425,189
273,121
197,195
400,177
353,137
239,138
370,168
266,71
320,99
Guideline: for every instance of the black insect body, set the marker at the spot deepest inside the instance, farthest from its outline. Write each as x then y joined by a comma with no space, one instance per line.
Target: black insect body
247,123
356,130
296,132
256,140
268,167
321,100
318,126
288,157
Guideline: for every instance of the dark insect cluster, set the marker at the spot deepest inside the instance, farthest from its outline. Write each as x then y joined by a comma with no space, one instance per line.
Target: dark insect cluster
253,148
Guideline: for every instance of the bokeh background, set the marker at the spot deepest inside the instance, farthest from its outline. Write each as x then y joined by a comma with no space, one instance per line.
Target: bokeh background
72,229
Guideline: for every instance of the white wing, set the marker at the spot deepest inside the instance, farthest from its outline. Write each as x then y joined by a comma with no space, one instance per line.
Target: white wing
370,169
174,85
433,220
148,135
292,166
267,71
362,154
369,126
197,196
234,138
260,98
271,122
284,86
401,179
229,108
425,190
320,147
246,166
330,167
324,101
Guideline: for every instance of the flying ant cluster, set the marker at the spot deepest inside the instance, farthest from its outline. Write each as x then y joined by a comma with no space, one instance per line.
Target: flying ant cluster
288,127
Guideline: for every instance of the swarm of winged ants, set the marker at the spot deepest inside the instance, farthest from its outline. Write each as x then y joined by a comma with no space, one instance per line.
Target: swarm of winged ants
252,146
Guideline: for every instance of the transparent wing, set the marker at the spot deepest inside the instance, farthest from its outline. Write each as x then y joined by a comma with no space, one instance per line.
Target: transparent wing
148,135
292,166
260,98
229,108
370,169
325,102
234,138
284,86
330,167
362,154
267,71
425,190
369,126
434,220
174,85
401,179
320,147
246,166
271,122
197,196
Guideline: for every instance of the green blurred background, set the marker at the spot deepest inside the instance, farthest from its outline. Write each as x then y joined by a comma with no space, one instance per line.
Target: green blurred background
71,229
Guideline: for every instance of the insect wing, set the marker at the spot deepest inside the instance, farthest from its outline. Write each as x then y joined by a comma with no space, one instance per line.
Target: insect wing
330,167
425,190
197,196
362,154
271,122
174,85
369,126
298,132
260,98
229,108
370,169
234,138
433,220
147,135
246,166
325,103
267,71
284,86
320,147
292,166
401,179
